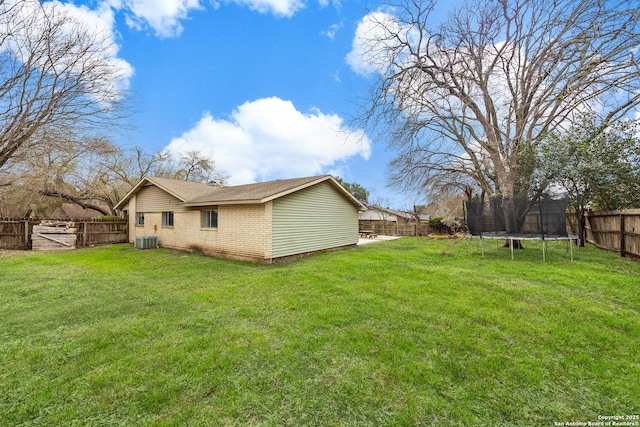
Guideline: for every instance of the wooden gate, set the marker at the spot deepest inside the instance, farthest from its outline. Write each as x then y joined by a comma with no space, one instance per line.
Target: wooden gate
53,237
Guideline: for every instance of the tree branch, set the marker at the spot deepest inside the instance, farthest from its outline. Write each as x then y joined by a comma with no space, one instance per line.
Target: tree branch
76,200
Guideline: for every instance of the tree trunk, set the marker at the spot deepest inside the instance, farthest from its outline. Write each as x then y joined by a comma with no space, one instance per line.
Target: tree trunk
517,244
416,219
511,221
582,229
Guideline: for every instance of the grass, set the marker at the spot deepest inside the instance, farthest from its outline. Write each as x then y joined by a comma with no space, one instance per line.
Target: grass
385,334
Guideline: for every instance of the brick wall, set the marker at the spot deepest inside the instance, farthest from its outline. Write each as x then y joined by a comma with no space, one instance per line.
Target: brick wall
244,232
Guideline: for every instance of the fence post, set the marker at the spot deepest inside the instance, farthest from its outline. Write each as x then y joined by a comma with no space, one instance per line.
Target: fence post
26,233
622,240
84,233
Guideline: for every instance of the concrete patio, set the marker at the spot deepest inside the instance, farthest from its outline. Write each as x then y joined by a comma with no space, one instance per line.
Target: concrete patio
378,239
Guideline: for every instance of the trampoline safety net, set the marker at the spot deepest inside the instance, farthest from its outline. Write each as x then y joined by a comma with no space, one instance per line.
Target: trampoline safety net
545,216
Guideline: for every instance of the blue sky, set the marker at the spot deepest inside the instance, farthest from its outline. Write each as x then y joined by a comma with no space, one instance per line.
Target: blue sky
263,87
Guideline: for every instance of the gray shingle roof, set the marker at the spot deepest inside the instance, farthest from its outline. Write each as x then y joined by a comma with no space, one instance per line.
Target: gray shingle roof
199,194
259,192
183,190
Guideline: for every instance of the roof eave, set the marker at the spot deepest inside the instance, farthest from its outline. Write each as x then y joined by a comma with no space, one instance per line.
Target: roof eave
223,202
361,206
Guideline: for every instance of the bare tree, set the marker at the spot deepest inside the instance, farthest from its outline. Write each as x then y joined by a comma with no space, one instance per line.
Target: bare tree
92,172
103,174
114,170
45,172
195,166
466,95
56,73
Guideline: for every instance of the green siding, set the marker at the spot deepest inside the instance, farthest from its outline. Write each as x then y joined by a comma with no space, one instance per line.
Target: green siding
313,219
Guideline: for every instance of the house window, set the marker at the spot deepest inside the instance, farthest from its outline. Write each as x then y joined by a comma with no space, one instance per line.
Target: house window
167,219
209,219
139,218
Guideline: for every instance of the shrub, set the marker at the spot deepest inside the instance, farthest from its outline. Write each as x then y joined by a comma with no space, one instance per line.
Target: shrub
436,222
108,218
454,223
448,224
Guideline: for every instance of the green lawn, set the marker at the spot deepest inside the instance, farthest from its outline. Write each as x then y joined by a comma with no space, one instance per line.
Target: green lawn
385,334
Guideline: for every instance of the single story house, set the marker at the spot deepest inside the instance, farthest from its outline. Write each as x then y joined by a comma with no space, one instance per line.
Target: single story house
257,222
376,213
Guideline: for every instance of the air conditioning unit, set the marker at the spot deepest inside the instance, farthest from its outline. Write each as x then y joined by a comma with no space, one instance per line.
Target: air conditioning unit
146,242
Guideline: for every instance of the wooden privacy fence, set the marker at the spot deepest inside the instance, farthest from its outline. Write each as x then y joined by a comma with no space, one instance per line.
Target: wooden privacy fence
16,233
98,232
396,229
617,231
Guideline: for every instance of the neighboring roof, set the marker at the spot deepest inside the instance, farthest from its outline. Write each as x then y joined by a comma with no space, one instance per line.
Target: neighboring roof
198,194
74,211
401,214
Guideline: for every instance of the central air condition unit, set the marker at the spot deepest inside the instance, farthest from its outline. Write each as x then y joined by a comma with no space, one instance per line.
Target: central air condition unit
146,242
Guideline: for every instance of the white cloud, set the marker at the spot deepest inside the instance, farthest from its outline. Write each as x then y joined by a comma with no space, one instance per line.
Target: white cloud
336,3
333,30
23,20
163,16
286,8
370,49
270,139
101,22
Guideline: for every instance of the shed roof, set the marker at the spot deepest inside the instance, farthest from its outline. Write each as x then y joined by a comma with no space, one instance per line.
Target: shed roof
199,194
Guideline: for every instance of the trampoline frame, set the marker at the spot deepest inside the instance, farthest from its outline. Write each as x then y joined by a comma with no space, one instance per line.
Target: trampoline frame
488,220
512,237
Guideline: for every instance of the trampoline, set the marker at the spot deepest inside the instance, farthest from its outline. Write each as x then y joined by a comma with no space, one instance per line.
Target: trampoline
518,218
